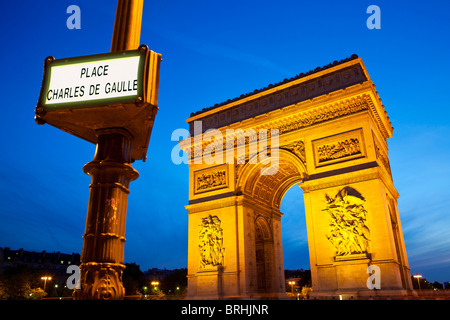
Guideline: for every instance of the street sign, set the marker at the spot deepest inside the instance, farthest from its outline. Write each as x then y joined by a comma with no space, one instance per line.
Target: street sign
93,80
82,95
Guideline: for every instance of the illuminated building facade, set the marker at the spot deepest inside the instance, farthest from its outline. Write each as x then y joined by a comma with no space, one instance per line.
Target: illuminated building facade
326,131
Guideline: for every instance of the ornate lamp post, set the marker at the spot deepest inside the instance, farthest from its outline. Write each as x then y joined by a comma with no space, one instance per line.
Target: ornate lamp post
120,127
111,172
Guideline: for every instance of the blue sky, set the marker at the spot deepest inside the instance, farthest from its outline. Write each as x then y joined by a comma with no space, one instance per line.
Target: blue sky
213,51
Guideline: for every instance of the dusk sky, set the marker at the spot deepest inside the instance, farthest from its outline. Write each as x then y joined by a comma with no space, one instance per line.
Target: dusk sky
213,51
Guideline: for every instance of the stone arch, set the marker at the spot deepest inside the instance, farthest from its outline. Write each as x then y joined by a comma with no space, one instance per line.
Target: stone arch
331,129
262,226
271,188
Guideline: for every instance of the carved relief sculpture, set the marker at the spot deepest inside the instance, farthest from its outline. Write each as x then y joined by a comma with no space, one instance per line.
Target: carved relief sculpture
325,114
349,233
340,149
381,156
211,242
298,148
337,148
210,180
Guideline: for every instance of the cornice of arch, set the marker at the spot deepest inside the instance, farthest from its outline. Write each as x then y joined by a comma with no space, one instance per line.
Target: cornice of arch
296,117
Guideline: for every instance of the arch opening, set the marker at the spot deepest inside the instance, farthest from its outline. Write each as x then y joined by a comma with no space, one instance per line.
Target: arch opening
269,189
295,239
267,192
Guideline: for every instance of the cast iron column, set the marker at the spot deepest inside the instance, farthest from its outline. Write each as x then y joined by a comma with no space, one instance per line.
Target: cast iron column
104,239
102,257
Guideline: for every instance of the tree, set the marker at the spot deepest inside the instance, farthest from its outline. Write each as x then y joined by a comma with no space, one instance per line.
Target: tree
304,275
3,294
33,294
424,284
17,282
133,278
306,291
176,279
437,285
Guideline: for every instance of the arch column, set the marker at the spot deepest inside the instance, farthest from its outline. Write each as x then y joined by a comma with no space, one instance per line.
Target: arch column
350,219
228,203
234,275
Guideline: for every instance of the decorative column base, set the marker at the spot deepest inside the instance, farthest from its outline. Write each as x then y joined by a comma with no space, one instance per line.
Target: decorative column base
101,281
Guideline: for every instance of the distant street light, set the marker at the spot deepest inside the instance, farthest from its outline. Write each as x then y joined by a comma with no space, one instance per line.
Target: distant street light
155,285
418,276
45,280
292,285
